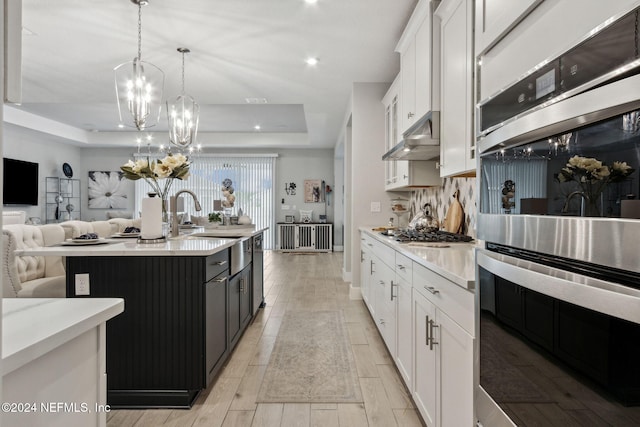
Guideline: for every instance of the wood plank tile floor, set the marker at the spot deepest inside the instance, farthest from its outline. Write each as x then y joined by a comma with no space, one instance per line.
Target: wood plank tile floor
303,282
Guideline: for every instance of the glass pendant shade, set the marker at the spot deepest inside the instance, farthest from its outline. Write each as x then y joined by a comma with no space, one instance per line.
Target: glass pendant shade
139,90
183,113
139,87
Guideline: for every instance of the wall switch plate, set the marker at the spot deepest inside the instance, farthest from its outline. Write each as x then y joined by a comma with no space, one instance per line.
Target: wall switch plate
82,284
375,206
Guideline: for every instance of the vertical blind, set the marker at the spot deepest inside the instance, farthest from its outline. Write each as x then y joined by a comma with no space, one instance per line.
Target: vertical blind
252,177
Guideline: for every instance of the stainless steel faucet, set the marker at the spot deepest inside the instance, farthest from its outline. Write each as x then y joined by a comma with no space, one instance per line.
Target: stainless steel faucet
173,207
565,208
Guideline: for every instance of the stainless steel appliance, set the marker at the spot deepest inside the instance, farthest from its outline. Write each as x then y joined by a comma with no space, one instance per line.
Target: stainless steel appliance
240,256
558,294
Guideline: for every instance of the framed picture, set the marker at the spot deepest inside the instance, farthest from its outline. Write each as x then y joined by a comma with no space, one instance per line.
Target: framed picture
289,219
107,190
313,191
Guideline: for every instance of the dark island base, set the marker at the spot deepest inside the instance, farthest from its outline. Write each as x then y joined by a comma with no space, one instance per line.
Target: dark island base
145,399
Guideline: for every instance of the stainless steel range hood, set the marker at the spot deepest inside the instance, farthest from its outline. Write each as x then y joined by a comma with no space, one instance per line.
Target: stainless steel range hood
420,142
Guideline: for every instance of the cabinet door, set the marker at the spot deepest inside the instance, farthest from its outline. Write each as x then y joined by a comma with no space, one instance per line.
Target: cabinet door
215,293
423,60
233,315
408,98
495,18
385,305
456,373
365,273
425,386
404,332
456,138
245,296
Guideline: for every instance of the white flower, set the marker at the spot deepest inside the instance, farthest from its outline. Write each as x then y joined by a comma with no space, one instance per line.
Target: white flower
622,167
138,165
106,191
161,170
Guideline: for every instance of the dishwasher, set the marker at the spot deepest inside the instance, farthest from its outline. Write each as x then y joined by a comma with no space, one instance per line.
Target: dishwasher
258,273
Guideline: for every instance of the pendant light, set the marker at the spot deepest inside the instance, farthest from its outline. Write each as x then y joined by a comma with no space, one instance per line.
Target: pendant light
182,114
139,87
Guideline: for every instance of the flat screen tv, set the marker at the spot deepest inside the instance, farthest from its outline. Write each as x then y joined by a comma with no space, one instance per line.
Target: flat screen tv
20,182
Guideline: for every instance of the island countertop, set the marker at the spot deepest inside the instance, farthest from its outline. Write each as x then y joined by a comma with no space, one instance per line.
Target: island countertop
34,326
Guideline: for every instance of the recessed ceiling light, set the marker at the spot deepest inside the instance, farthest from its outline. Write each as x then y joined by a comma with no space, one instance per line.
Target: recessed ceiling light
311,1
121,126
257,127
312,61
256,100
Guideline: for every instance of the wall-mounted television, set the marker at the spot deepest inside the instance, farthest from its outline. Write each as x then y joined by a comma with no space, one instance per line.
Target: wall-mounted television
20,185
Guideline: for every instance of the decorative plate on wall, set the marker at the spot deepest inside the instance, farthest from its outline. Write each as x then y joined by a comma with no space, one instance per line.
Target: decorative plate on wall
66,169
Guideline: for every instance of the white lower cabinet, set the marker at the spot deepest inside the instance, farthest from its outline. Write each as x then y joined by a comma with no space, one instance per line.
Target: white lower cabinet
427,323
443,388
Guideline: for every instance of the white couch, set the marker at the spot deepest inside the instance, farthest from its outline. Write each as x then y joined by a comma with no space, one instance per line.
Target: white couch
14,217
73,229
122,223
32,276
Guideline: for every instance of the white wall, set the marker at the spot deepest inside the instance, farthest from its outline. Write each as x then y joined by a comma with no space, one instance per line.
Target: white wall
338,199
365,167
297,166
49,152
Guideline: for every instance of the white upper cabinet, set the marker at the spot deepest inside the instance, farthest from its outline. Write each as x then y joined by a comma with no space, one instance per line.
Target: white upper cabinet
418,57
457,142
392,133
495,18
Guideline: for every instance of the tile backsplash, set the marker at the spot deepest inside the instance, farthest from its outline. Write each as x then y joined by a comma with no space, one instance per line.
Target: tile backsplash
441,197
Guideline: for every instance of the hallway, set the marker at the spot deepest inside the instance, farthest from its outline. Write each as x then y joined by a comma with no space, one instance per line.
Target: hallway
302,282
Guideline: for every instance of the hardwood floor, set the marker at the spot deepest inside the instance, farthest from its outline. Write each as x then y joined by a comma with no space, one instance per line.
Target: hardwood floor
303,282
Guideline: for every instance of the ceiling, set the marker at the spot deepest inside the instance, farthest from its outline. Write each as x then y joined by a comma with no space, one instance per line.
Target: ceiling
239,49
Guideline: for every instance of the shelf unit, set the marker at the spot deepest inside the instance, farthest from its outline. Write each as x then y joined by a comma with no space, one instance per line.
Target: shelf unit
313,237
70,207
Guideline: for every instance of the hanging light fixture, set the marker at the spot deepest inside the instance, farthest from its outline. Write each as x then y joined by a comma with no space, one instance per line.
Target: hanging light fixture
182,114
139,87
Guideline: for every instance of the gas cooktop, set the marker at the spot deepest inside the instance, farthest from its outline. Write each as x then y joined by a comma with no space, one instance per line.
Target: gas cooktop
432,236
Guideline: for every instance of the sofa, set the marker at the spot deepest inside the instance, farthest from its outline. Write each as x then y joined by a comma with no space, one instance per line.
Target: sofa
32,276
122,223
14,217
75,228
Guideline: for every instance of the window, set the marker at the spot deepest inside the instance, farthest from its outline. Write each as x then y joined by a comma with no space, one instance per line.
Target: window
252,176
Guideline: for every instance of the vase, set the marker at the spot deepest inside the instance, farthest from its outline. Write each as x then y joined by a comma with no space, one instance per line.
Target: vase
593,205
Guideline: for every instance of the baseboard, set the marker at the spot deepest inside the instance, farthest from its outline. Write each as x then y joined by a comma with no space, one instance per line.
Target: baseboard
346,276
354,292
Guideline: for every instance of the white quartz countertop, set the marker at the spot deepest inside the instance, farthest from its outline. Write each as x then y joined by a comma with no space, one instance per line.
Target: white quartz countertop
32,327
228,231
455,262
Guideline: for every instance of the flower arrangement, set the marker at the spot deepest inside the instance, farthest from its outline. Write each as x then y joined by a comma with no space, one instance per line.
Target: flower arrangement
173,166
593,175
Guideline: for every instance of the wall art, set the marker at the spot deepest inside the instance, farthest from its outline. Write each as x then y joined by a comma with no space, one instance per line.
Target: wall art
107,190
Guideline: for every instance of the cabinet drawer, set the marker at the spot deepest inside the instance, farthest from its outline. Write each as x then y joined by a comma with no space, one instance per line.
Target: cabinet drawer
456,302
404,267
385,253
216,264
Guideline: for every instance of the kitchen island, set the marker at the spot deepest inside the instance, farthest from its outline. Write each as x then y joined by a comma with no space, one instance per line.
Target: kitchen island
187,300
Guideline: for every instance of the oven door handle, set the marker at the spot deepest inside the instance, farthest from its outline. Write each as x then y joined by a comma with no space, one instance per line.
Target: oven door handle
599,295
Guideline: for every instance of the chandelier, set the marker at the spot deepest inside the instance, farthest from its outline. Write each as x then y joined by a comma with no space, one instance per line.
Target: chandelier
182,114
139,87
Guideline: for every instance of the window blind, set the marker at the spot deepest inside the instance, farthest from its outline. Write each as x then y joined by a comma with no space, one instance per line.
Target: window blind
252,178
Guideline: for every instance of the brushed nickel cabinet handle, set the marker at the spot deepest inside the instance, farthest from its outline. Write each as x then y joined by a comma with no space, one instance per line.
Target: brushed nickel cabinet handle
426,330
432,341
219,263
431,289
392,285
220,279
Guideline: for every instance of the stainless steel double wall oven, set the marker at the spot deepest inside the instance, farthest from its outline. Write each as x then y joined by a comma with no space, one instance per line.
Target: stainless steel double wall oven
558,276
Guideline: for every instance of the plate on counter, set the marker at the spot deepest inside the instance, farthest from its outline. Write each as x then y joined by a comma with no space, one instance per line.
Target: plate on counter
81,242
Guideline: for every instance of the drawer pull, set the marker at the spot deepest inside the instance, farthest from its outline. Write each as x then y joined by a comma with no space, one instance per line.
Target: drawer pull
432,289
370,244
220,279
392,285
432,341
219,263
401,267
